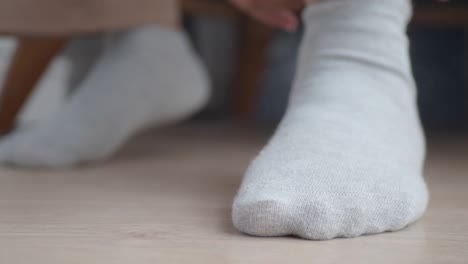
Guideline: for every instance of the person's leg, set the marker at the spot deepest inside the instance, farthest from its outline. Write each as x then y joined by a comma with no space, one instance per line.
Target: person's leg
347,158
146,76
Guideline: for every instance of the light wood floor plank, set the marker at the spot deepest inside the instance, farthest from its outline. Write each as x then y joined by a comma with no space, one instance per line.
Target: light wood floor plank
166,199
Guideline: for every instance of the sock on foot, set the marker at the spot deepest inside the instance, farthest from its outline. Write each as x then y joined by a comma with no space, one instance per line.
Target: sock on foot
347,158
147,76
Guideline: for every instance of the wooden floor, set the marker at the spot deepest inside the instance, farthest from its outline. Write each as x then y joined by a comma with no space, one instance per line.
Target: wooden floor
166,199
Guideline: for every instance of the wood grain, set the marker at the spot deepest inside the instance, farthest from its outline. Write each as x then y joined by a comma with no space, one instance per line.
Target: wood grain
166,199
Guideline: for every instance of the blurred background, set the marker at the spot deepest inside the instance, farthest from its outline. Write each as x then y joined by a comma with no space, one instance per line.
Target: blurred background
439,45
167,196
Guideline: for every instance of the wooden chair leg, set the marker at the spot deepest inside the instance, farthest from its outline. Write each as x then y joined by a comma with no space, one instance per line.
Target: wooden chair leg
255,39
30,60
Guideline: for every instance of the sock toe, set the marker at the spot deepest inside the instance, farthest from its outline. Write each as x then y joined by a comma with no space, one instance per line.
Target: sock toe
263,217
317,219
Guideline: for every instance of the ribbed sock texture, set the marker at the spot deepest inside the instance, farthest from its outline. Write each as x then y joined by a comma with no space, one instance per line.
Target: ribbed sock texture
347,158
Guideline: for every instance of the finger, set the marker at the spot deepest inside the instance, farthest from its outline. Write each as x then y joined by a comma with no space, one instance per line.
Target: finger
284,19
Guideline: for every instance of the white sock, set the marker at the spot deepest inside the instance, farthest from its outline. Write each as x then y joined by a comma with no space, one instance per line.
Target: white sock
347,158
147,76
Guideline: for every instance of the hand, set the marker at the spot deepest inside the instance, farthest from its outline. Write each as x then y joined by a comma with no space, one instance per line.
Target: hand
275,13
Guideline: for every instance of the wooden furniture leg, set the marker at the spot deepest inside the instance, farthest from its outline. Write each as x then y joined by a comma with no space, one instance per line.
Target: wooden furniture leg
255,39
30,60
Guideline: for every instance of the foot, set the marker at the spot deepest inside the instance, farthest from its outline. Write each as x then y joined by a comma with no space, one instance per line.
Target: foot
147,76
347,158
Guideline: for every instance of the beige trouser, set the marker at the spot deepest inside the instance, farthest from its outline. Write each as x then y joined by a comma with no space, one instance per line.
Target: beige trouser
55,17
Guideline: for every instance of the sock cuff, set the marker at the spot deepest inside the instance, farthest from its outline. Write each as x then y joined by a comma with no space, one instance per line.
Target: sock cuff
396,10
